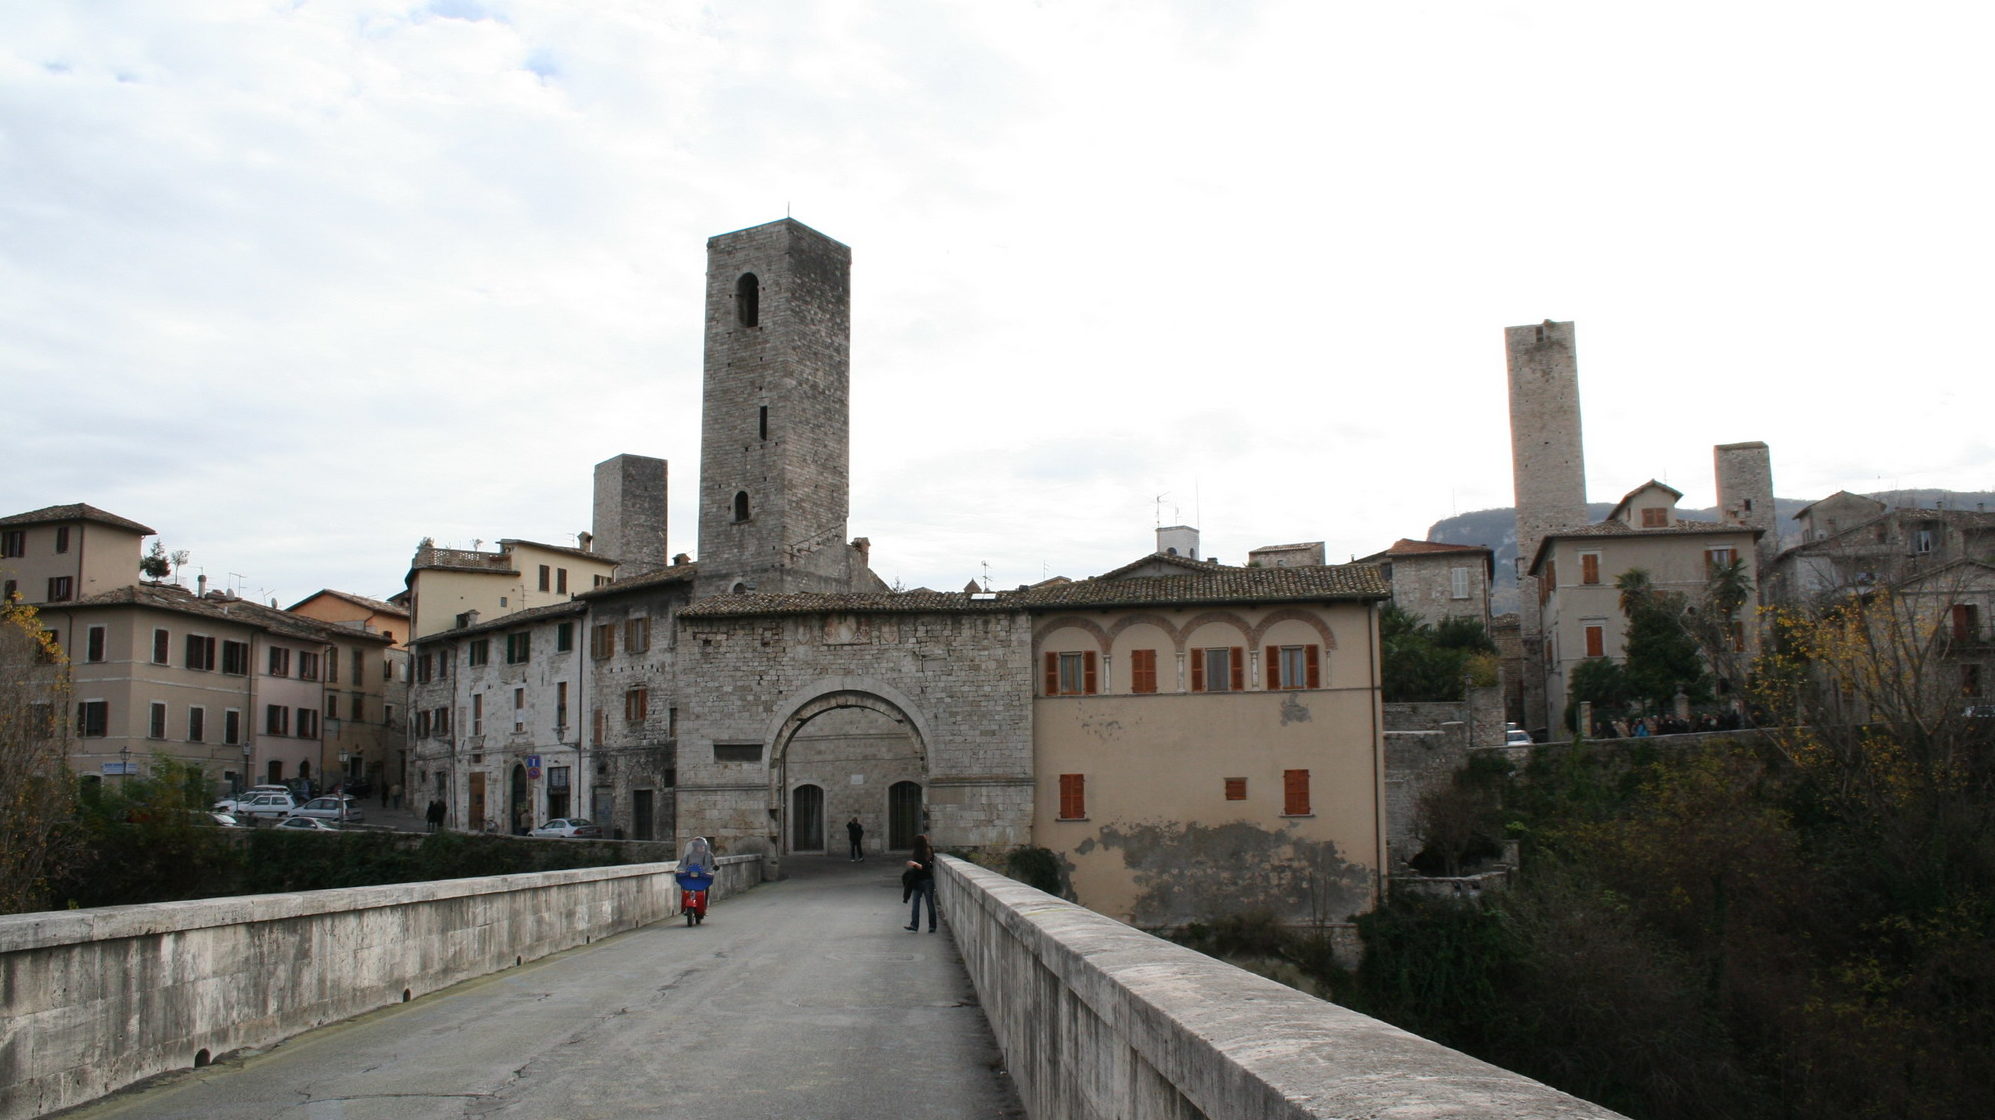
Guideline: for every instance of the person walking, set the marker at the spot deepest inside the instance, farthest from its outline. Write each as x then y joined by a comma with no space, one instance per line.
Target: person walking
857,832
434,815
920,878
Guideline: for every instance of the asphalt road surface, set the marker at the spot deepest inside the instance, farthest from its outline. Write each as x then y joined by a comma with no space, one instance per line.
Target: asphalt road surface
803,998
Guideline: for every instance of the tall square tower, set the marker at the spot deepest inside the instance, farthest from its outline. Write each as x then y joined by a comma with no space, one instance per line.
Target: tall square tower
775,429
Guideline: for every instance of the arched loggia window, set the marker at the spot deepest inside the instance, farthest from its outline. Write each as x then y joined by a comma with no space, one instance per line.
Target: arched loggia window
748,299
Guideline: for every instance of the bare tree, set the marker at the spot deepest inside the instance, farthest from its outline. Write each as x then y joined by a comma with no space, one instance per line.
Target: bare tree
37,792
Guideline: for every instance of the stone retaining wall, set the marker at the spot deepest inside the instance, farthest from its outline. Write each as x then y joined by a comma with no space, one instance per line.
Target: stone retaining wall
1097,1019
94,1000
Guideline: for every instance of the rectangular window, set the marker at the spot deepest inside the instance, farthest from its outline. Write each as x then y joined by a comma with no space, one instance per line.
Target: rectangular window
560,706
1655,518
359,667
1295,793
637,634
1589,567
200,652
232,726
357,708
280,661
422,668
1596,639
672,722
1458,583
599,723
478,651
1295,666
155,726
197,725
332,669
332,705
737,752
1926,537
564,637
603,641
60,588
93,719
1970,680
561,580
1236,789
162,647
308,665
1071,674
519,647
519,710
422,725
441,721
9,590
308,723
93,644
62,545
1073,797
276,719
1142,670
636,702
1966,622
477,713
14,542
235,658
1716,560
1218,669
546,577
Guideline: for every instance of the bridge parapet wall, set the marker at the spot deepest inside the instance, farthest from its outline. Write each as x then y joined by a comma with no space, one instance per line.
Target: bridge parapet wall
95,1000
1097,1019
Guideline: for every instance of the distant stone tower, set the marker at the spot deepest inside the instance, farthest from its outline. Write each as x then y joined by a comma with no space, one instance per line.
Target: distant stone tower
1546,468
629,516
775,421
1745,497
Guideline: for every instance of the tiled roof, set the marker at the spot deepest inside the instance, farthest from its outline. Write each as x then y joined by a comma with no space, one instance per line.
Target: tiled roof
76,511
568,550
1616,528
678,573
1166,559
1407,547
512,621
1211,584
169,597
375,605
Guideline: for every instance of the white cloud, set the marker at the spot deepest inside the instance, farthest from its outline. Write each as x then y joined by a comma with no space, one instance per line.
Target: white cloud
300,284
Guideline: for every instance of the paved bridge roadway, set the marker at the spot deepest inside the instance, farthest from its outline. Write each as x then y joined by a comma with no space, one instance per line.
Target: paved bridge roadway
803,998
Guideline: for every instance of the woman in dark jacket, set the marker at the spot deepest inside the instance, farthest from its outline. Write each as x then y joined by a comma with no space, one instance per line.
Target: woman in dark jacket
921,883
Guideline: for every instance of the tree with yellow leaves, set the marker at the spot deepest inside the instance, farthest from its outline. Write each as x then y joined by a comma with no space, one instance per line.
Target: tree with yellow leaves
37,791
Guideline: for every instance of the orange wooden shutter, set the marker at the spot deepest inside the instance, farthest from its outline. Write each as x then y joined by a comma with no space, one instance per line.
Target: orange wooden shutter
1088,672
1589,567
1236,789
1315,659
1272,659
1052,674
1595,642
1239,669
1073,797
1295,792
1143,670
1198,670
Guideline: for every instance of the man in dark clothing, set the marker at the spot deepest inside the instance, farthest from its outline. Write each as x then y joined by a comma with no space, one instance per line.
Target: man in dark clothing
857,832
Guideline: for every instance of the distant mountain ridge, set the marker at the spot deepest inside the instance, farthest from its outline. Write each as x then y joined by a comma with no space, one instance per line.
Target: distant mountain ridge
1497,528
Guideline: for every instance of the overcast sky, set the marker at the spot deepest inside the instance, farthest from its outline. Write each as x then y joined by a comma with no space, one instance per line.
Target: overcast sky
298,284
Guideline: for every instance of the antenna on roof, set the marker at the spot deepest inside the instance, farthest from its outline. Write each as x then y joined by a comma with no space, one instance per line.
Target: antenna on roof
987,575
1160,509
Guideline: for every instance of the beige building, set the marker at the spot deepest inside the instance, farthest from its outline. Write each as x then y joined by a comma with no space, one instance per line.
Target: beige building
449,588
1575,573
1435,582
60,554
366,703
1211,741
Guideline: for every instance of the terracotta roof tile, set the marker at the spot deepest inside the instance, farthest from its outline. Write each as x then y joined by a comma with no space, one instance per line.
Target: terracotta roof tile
76,511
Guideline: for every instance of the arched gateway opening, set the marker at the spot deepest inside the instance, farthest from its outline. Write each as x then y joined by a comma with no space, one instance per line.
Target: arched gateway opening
847,754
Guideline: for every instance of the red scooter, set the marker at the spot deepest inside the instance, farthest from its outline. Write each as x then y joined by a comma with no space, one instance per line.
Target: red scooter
693,887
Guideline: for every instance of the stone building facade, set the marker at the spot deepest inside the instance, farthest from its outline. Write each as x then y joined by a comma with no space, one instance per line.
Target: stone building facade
1548,468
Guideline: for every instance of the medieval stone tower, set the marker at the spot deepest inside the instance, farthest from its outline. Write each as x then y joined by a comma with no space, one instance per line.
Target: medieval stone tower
1546,468
629,522
1745,496
775,422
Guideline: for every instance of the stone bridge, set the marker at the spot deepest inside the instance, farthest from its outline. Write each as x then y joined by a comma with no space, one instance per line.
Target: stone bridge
575,993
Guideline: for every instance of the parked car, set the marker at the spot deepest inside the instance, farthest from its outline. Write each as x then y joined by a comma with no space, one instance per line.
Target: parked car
1980,711
332,807
265,806
228,804
1516,737
308,824
570,827
204,818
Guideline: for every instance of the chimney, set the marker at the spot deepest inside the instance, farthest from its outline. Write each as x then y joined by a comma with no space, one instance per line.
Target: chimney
585,541
201,586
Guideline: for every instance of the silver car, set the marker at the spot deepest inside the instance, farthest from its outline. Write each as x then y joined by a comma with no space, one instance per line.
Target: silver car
265,806
334,807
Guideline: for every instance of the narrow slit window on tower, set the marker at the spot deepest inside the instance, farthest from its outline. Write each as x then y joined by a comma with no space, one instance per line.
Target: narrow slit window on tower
741,505
762,421
748,299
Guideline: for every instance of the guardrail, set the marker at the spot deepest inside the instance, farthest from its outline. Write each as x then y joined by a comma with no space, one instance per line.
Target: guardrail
1100,1020
99,999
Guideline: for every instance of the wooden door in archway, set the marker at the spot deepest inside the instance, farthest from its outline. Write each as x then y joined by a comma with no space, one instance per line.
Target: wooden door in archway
903,815
807,819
